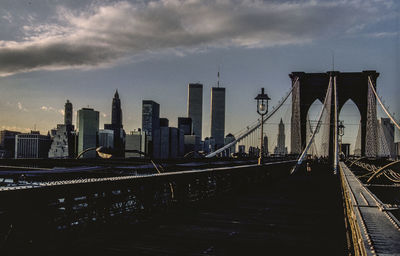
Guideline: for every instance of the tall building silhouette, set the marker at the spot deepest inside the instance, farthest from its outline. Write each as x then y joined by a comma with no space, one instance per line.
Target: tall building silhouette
231,150
150,117
265,145
195,107
63,137
88,129
116,126
218,115
386,140
116,113
7,143
151,126
68,113
281,149
185,124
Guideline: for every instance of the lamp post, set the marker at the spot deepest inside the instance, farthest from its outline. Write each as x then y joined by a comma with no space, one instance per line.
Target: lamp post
262,110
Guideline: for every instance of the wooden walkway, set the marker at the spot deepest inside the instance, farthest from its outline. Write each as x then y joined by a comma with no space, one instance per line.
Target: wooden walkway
379,229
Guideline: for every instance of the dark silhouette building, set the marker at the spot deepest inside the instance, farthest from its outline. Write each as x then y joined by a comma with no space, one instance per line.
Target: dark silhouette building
88,131
218,115
195,107
164,122
151,125
32,145
7,143
185,124
265,145
68,113
116,126
63,137
280,148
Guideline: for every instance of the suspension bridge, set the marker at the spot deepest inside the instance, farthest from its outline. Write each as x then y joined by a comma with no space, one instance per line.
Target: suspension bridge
314,200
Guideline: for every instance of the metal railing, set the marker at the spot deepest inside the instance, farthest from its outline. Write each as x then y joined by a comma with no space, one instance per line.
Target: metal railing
72,204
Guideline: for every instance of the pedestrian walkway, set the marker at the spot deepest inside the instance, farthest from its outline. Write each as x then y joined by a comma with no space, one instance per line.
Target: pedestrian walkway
379,229
297,215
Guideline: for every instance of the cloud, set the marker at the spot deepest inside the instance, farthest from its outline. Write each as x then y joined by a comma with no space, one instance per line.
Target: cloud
8,17
21,108
105,34
51,109
382,34
15,128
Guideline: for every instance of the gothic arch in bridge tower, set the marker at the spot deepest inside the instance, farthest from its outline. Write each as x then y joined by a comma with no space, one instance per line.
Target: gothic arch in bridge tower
350,85
350,115
312,117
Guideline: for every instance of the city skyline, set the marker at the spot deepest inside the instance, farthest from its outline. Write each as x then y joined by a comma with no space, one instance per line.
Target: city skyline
263,57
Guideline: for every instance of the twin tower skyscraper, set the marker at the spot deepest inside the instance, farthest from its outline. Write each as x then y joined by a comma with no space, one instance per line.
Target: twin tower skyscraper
195,111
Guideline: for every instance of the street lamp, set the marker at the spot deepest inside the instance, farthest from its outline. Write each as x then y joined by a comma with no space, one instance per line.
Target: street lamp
262,110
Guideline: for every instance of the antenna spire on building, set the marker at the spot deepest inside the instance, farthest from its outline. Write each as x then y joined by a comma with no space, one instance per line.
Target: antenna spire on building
218,78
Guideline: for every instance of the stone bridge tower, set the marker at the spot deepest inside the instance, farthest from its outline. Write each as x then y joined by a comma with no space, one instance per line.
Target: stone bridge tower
350,85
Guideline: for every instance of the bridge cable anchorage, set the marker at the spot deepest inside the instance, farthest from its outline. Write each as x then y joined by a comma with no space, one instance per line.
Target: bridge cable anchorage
327,102
382,105
257,124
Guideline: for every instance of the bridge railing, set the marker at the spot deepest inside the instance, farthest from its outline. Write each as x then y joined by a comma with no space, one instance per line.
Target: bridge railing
70,205
357,237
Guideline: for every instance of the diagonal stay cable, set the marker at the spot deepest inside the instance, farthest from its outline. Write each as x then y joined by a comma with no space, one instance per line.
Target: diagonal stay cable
383,106
258,124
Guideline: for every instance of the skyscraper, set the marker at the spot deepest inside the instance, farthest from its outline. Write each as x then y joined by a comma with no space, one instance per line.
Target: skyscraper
116,112
116,126
106,138
150,116
231,150
386,140
185,124
280,149
63,144
265,145
195,107
88,129
151,126
7,143
135,140
218,115
60,146
68,113
32,145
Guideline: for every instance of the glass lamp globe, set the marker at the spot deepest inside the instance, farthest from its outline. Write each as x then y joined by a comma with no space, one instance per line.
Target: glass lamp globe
262,107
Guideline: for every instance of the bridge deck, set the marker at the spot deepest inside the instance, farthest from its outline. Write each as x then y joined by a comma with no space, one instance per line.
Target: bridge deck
296,215
376,224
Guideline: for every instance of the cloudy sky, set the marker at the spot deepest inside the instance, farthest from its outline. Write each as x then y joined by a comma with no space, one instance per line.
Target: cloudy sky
54,50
